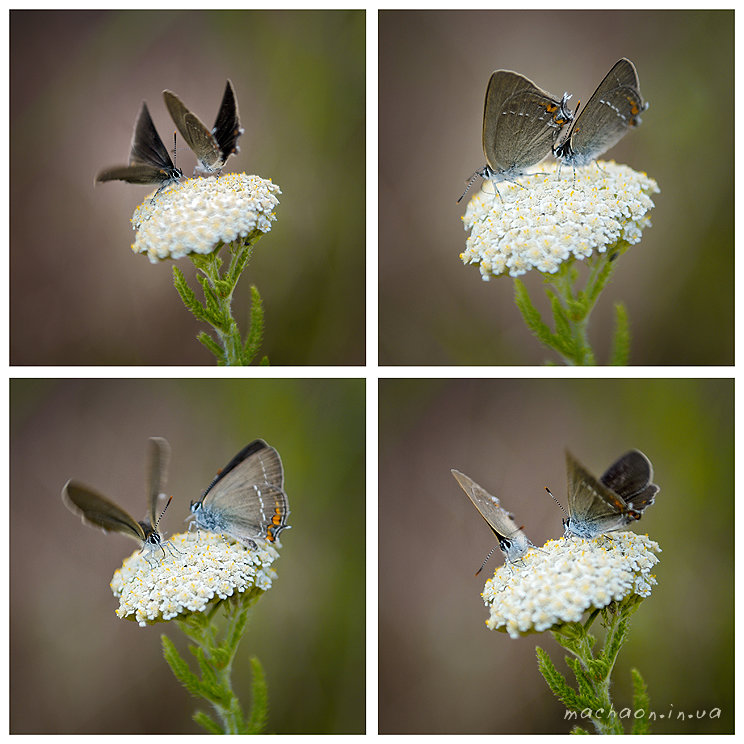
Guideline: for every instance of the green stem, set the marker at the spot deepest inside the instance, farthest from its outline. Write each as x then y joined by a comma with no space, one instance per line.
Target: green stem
592,700
218,287
215,659
572,309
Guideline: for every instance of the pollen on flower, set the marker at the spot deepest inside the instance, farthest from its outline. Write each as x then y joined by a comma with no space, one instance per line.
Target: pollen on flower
539,222
199,214
197,568
565,578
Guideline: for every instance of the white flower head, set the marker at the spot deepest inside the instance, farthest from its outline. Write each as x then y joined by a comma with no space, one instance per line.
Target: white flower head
559,582
197,215
543,219
199,568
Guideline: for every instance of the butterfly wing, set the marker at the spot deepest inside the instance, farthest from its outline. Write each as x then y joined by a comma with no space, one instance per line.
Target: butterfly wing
613,108
97,511
157,473
593,508
147,147
248,494
512,540
149,161
630,477
227,127
139,174
194,132
521,122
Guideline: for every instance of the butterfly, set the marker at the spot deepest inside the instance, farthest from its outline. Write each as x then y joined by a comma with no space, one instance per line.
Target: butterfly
149,161
521,123
513,542
211,147
246,499
614,108
97,511
613,502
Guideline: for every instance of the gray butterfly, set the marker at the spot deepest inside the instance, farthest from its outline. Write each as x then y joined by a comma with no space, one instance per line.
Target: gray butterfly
98,511
521,124
513,542
613,502
212,147
149,161
614,108
246,499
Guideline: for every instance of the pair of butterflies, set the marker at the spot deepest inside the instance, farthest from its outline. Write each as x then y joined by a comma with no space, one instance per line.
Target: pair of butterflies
150,162
595,507
522,122
246,499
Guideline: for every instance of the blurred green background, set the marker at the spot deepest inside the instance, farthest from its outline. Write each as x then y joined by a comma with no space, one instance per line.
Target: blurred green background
77,81
677,283
75,667
440,669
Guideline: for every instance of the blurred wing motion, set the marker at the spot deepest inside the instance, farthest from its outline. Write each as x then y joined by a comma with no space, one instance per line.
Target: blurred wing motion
98,511
157,475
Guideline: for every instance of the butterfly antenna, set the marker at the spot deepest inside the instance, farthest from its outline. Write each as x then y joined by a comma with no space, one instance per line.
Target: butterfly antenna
470,183
486,561
155,526
175,164
556,500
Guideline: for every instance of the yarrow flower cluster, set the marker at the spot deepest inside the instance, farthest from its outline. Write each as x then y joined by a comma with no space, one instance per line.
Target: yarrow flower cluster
197,568
559,582
545,219
199,214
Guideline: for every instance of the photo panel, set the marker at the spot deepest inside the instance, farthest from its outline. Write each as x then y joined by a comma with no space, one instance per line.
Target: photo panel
270,251
586,264
441,669
241,450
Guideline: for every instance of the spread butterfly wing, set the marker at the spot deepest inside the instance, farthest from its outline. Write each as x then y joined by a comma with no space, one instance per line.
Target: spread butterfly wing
157,473
149,161
97,511
137,174
613,108
147,147
630,477
512,540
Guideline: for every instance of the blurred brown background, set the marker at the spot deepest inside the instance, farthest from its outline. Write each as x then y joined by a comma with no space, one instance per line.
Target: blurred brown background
440,669
677,283
75,667
77,81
